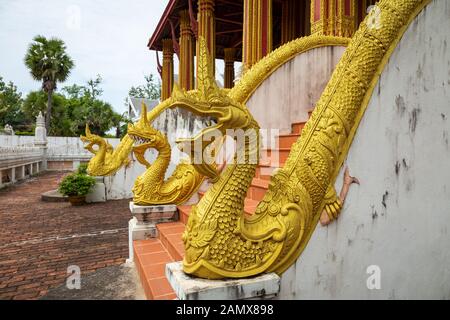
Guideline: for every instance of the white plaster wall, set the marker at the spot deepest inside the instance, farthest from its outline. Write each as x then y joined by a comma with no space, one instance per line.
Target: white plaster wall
58,147
399,218
13,141
292,90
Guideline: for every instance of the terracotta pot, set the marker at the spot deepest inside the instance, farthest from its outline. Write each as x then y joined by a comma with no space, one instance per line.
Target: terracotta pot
77,200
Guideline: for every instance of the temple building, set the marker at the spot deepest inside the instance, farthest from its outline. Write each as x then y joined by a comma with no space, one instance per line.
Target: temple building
338,203
243,31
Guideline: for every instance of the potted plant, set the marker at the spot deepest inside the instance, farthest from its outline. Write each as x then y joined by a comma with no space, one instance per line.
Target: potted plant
76,186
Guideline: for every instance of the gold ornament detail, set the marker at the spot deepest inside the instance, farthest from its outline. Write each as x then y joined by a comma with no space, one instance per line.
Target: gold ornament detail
219,241
150,188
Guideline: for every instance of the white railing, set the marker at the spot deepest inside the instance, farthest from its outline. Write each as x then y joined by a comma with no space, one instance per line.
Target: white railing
19,153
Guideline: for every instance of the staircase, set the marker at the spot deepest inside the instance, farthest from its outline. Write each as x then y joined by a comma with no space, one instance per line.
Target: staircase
152,255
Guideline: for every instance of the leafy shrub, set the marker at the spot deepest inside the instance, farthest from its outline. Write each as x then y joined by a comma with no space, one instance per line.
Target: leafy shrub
82,168
24,133
76,184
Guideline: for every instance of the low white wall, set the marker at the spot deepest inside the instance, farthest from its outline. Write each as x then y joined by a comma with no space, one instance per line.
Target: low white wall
16,141
57,147
399,218
68,152
291,91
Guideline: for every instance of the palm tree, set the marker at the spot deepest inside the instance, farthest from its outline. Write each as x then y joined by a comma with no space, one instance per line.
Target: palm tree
48,62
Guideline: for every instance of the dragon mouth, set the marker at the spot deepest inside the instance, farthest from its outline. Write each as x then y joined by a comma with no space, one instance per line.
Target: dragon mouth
89,145
141,144
138,140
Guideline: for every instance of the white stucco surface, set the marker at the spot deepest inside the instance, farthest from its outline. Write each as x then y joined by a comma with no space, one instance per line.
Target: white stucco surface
399,218
292,90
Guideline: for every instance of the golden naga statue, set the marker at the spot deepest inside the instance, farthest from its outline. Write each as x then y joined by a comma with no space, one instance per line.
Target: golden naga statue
150,188
106,160
219,241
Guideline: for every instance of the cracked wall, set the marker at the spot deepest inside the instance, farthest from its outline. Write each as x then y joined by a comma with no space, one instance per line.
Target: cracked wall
399,218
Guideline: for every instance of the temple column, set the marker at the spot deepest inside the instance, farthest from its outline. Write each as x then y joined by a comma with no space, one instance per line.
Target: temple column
187,48
346,18
257,33
207,27
290,20
167,69
230,56
333,17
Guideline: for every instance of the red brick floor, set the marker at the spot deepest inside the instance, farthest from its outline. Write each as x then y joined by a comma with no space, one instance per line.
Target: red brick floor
39,240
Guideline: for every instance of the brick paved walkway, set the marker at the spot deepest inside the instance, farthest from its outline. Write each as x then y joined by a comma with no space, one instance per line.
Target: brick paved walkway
39,240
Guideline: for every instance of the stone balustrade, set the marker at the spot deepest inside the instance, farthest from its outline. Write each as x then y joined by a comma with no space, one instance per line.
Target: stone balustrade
18,163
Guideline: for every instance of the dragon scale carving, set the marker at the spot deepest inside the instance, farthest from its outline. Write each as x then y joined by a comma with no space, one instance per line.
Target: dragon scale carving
219,241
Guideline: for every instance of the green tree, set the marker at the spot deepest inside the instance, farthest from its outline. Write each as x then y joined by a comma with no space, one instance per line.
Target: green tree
48,62
150,90
10,106
61,122
84,106
93,87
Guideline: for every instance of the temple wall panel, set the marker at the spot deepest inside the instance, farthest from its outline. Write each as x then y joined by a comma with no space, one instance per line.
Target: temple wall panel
397,221
291,91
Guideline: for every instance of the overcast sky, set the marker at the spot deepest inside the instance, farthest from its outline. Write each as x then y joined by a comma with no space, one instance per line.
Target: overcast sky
106,37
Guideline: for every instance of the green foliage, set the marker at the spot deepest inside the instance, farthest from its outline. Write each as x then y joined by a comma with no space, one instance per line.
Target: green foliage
150,90
90,90
36,101
10,106
24,133
76,184
82,168
48,61
73,109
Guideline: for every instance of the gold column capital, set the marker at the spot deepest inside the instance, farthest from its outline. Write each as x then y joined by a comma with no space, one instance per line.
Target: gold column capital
185,21
167,47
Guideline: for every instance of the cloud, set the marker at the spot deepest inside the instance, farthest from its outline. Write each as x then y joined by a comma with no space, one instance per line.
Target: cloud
103,37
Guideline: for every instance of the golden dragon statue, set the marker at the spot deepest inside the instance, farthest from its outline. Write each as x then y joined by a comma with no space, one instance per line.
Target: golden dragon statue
106,160
219,241
150,188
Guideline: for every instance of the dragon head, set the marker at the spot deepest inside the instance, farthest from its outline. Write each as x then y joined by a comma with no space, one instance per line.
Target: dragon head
95,140
211,102
145,137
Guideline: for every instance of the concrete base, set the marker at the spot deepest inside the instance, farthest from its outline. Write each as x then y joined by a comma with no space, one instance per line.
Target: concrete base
54,196
98,191
143,224
266,286
154,214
